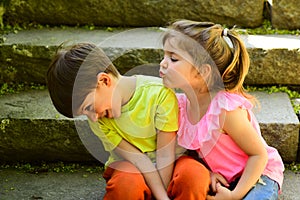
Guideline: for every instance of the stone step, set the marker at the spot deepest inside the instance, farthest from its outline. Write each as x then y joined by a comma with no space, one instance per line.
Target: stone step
283,14
32,130
81,184
132,13
25,56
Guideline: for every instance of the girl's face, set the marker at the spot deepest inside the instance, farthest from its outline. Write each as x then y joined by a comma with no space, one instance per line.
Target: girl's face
176,68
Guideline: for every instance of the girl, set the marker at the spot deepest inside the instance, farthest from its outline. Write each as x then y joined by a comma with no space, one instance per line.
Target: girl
215,111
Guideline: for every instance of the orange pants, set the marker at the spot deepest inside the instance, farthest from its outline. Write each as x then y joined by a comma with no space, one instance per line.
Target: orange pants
190,181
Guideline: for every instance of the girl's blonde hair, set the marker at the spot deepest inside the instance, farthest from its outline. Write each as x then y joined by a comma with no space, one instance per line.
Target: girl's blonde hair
232,63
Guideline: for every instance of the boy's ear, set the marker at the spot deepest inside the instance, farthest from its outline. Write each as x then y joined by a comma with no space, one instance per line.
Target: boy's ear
103,79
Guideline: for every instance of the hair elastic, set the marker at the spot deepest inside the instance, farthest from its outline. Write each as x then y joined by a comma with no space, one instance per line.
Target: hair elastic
225,31
163,29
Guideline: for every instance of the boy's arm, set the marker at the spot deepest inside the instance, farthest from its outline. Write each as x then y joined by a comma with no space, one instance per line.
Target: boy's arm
144,164
165,155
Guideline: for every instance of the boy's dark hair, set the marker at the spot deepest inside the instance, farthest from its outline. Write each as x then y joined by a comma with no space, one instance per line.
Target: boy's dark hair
72,75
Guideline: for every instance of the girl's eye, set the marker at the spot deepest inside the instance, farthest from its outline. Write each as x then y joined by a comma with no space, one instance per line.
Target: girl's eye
173,59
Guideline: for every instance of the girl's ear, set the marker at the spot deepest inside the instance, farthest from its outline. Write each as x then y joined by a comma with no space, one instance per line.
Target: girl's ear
103,79
205,70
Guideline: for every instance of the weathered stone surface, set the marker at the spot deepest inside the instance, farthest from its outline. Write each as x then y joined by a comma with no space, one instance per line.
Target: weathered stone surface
25,57
24,62
32,130
133,13
279,124
81,184
285,14
273,67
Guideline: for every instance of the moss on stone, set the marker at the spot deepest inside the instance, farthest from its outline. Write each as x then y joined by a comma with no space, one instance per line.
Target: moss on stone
4,123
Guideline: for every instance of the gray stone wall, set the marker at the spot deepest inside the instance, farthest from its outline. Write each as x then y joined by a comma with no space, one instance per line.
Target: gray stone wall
25,57
284,14
133,13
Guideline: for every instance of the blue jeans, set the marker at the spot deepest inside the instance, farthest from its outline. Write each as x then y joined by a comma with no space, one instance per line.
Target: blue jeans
265,189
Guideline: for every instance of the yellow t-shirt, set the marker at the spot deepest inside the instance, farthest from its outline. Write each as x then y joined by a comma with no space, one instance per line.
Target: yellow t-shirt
152,107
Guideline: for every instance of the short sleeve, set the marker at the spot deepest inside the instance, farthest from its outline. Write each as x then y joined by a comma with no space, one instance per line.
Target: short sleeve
166,118
205,134
109,136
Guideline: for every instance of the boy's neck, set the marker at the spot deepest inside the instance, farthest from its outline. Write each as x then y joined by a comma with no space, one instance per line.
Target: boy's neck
126,86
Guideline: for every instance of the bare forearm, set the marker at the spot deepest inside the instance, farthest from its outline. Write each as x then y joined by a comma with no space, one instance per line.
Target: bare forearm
165,156
165,166
145,166
252,172
152,178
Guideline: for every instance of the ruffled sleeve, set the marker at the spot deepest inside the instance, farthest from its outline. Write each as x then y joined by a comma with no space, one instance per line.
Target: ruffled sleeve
204,135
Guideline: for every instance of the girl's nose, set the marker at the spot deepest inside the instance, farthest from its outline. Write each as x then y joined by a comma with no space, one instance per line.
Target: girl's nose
163,63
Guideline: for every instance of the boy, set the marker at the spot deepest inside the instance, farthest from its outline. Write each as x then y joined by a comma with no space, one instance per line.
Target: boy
134,116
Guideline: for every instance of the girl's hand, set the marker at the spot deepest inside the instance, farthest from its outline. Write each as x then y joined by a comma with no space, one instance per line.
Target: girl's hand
217,178
222,193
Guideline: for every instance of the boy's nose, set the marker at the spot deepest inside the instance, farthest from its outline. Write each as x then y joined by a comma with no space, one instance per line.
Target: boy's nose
93,116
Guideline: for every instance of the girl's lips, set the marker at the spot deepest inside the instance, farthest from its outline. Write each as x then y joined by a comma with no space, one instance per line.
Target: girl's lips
161,74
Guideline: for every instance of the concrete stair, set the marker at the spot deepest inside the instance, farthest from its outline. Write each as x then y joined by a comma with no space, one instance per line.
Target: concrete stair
274,59
32,130
83,185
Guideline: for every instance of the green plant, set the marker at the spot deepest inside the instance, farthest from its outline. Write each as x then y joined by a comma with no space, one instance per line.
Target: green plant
4,123
266,28
295,167
10,88
58,167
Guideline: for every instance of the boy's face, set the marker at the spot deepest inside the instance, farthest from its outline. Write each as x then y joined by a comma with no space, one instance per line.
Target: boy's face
102,102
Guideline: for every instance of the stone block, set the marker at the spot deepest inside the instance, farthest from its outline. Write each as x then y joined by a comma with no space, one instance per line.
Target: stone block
31,130
285,14
274,67
279,123
25,57
133,13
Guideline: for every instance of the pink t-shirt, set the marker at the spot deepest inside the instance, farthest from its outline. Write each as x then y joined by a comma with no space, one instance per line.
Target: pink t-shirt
218,150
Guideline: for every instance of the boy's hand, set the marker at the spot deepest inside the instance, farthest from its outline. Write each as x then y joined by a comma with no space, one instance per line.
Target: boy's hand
132,154
215,179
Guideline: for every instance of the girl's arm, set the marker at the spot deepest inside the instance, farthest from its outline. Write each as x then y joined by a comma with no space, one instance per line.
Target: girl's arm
237,125
165,155
144,164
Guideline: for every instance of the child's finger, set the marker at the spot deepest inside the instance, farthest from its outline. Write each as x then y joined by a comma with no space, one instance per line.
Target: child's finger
213,184
218,186
222,180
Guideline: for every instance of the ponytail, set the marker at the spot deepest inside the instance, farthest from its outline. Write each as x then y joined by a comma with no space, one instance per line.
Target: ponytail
236,71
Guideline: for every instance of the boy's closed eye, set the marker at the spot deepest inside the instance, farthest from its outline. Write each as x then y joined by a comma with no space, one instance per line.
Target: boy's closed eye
89,108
